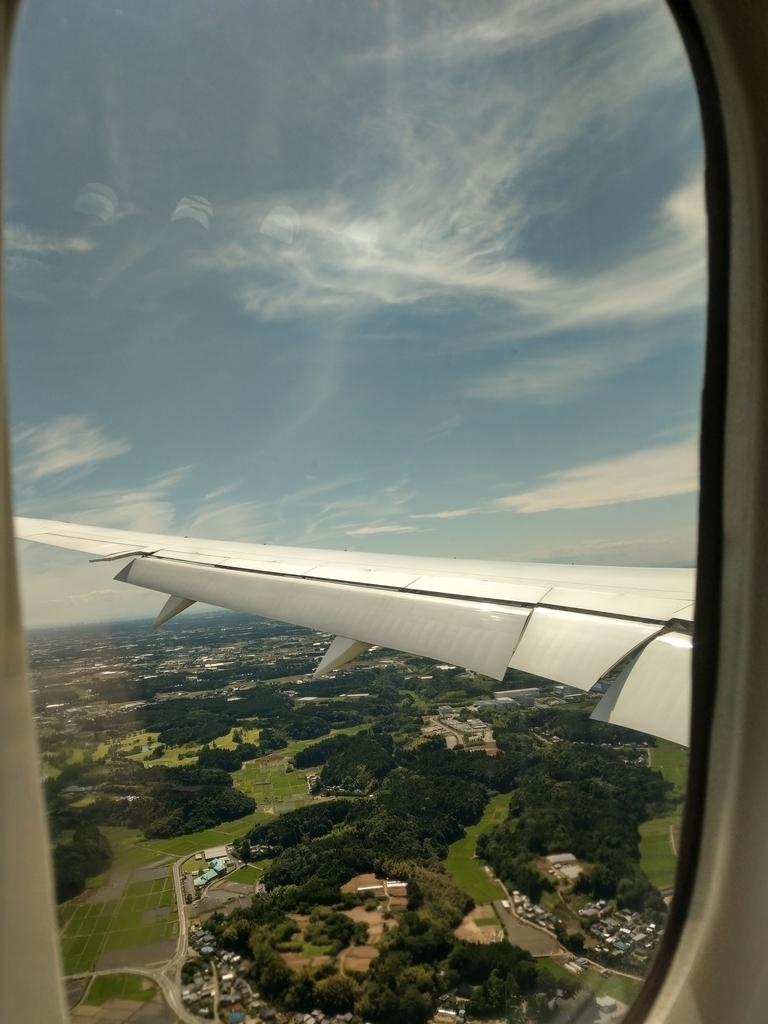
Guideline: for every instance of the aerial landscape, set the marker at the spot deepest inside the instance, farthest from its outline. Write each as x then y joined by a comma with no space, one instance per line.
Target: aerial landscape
235,840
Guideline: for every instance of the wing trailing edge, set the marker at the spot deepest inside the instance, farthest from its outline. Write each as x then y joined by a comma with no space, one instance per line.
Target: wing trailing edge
572,624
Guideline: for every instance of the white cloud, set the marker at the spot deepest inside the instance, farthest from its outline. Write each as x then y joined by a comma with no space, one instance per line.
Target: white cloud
439,222
454,513
59,587
655,472
17,238
226,489
62,445
365,531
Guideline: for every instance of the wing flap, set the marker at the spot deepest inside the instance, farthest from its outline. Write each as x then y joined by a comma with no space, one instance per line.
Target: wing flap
467,633
574,648
653,694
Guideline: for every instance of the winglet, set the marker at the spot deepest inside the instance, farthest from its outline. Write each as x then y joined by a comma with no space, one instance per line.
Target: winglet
341,652
172,607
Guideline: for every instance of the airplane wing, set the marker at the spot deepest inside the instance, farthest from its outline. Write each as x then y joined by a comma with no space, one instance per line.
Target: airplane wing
573,624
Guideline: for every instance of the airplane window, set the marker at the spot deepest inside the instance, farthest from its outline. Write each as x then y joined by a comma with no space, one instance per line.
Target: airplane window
376,330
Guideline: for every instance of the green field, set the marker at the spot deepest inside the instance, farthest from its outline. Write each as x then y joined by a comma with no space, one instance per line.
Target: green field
672,762
614,985
219,836
119,986
272,788
250,874
657,859
144,914
461,863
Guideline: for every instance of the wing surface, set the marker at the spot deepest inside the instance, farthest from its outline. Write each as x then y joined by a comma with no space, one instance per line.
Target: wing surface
573,624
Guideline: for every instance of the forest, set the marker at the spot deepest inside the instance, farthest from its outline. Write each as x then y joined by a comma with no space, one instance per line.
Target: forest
573,796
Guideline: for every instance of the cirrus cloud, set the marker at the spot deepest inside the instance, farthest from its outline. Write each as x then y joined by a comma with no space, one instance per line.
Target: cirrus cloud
656,472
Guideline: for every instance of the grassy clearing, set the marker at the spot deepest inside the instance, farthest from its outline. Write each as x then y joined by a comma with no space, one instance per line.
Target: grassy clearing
219,836
672,762
467,871
614,985
657,858
248,875
119,986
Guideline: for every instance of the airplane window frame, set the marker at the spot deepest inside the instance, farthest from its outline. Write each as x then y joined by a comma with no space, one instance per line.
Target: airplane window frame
706,629
710,579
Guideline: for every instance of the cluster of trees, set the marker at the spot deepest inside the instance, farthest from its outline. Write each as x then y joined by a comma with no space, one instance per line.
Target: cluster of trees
334,931
359,765
87,854
589,801
190,799
578,727
164,801
419,802
419,958
227,760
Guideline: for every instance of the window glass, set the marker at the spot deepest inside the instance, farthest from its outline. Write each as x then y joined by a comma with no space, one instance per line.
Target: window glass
422,279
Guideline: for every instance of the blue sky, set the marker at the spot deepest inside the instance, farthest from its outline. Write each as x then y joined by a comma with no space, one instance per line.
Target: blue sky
449,300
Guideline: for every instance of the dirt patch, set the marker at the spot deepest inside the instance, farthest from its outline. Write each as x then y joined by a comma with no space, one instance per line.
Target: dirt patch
373,918
398,902
297,961
476,927
239,887
112,890
270,761
373,885
358,958
149,874
136,956
154,915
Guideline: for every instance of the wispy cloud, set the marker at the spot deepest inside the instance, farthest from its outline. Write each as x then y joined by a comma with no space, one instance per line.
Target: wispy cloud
675,546
654,472
220,491
18,238
64,444
455,233
365,531
454,513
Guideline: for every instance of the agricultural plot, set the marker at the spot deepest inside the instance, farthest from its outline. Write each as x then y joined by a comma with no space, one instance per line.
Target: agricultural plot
657,858
671,761
467,871
119,986
272,787
143,913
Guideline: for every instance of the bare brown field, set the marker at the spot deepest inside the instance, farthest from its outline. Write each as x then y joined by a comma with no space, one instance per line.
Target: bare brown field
373,918
358,958
297,961
376,885
471,930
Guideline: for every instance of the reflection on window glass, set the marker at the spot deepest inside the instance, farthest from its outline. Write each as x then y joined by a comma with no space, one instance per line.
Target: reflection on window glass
424,279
